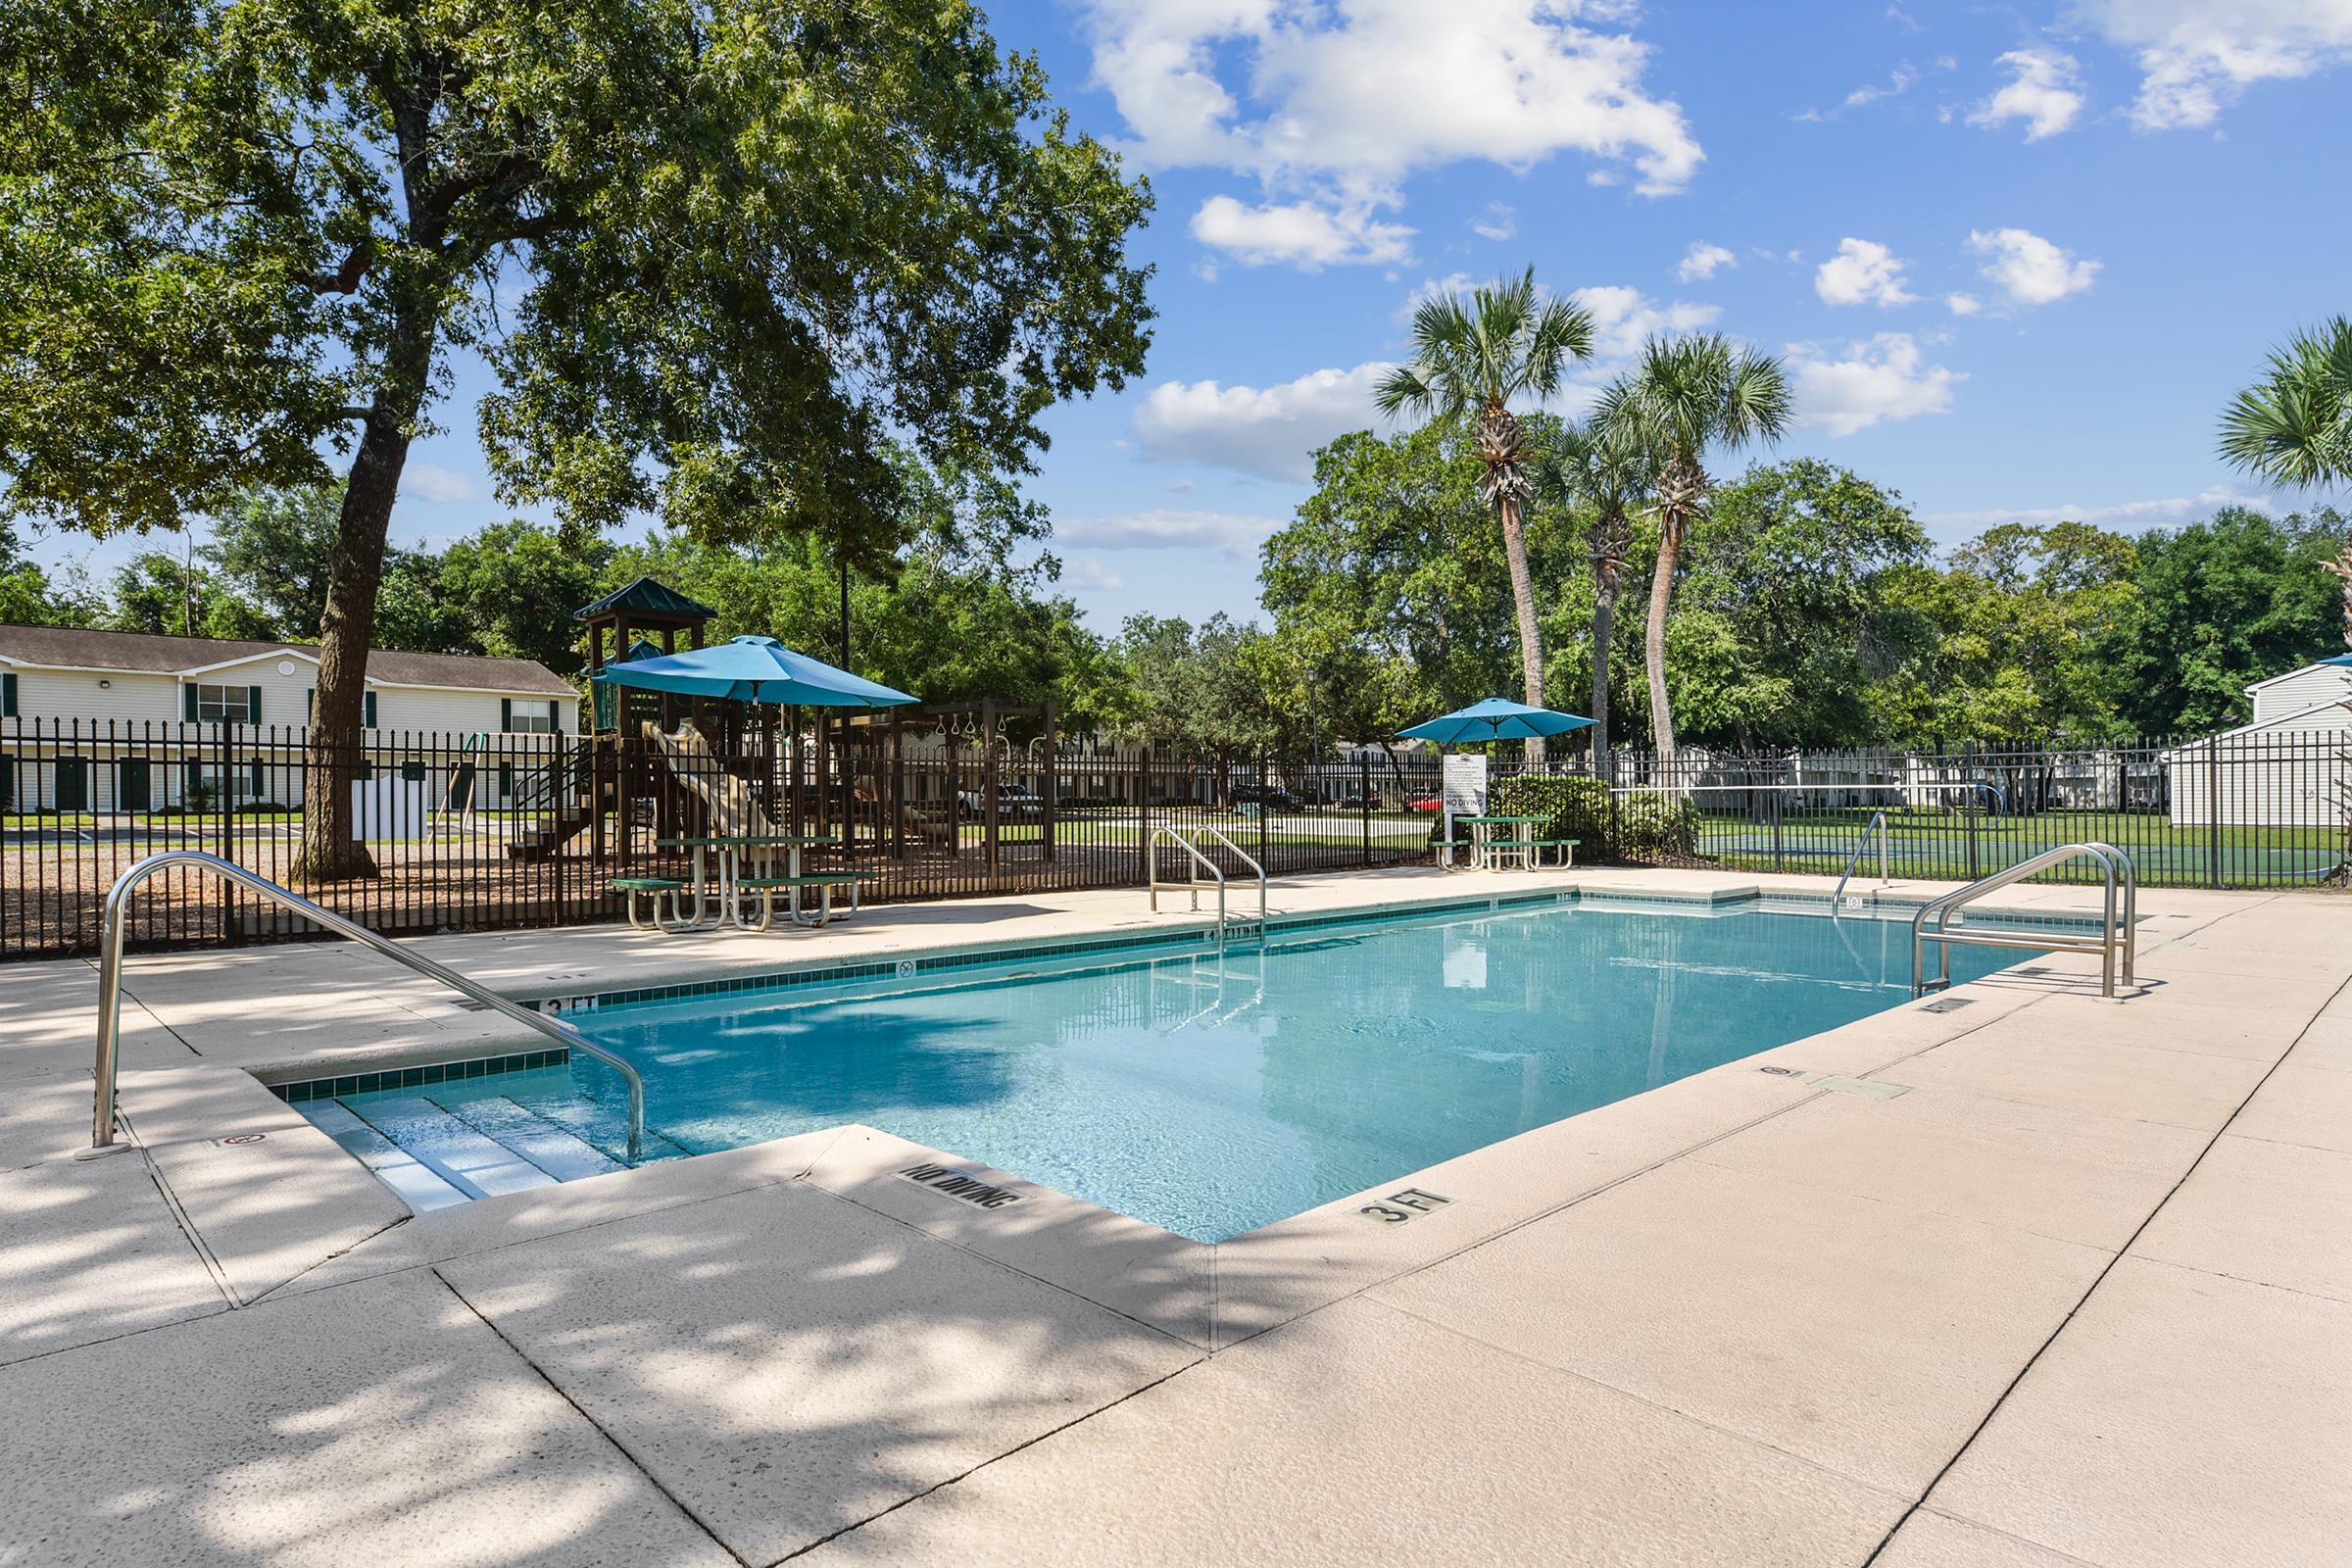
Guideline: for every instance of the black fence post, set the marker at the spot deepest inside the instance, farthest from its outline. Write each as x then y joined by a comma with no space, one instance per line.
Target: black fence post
2213,809
1363,802
1973,802
1261,808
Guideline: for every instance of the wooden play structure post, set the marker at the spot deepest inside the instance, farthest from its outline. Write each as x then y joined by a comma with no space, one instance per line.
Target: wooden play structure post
618,760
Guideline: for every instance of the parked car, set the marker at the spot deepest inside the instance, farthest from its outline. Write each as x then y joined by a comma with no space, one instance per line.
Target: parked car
1431,804
1016,803
1266,797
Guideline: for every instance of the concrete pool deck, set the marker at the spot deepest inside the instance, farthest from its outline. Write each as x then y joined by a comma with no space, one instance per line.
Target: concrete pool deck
2036,1281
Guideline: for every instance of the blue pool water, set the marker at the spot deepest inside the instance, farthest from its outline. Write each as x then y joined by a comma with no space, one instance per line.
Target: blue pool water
1213,1096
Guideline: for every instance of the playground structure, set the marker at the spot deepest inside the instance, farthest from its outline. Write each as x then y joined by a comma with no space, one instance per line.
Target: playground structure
945,780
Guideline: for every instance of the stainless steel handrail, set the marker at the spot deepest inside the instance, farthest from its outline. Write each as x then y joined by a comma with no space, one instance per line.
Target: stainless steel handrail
109,984
1242,856
2115,937
1152,883
1176,836
1877,825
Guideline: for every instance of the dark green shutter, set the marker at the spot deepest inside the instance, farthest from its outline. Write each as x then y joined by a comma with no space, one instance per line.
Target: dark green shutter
8,696
253,705
189,692
368,711
506,714
254,768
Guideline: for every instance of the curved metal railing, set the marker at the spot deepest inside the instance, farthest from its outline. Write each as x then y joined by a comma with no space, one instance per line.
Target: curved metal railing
109,984
1199,863
1877,829
2115,936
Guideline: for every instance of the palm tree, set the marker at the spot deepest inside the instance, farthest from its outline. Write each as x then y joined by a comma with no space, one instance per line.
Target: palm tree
1470,360
1686,395
1602,467
2294,425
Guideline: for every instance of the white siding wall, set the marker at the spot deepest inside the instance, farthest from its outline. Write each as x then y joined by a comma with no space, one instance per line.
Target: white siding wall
442,711
130,698
2304,688
2287,774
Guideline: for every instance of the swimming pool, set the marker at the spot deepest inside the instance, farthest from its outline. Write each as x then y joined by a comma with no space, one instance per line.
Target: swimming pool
1208,1095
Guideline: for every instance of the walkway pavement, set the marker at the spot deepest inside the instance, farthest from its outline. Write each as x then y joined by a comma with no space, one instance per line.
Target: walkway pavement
2040,1280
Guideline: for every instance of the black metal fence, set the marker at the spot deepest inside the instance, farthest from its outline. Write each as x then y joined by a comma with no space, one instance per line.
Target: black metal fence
2259,810
522,830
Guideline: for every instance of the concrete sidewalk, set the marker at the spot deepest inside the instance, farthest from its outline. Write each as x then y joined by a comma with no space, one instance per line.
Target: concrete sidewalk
2041,1280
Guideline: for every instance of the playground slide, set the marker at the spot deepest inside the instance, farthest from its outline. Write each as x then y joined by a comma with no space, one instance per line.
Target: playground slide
733,812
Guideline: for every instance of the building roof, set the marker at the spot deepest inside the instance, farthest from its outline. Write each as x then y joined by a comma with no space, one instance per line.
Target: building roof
153,653
2196,748
646,597
2265,685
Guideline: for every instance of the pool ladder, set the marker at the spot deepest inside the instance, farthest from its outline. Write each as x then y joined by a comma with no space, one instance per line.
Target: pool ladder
1877,830
1184,838
109,984
2115,938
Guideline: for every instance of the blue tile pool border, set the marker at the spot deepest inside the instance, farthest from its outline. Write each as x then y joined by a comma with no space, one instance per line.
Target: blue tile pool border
440,1072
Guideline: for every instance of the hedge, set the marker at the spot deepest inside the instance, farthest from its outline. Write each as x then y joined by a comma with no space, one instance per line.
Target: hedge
1580,807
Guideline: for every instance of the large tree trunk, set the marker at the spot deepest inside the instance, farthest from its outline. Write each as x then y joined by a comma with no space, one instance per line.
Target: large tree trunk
1523,602
1662,590
1608,566
1682,490
335,755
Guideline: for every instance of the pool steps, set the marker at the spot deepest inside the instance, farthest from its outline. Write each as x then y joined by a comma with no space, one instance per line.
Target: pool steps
451,1147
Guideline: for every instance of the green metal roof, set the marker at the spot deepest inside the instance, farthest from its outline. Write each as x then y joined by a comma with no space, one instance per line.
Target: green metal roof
646,597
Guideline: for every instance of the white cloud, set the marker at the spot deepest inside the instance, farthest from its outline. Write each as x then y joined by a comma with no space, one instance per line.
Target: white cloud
2196,56
2171,509
1499,221
1622,317
1885,379
1270,431
2030,269
1862,272
426,481
1224,533
2042,91
1429,289
1354,95
1302,233
1703,260
1962,304
1898,82
1090,573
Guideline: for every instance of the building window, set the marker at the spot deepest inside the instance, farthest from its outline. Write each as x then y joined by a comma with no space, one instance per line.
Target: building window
528,719
222,705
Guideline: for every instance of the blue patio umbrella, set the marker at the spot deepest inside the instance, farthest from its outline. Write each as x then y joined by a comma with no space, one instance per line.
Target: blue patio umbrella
2340,659
752,669
1494,720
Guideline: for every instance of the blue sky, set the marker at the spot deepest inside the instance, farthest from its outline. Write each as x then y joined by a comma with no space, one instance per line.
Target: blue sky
2016,256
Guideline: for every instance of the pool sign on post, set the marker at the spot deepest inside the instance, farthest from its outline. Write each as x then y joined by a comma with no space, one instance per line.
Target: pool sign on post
1463,791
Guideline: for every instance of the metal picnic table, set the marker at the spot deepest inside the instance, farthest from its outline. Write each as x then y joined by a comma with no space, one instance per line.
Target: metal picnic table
732,851
1481,839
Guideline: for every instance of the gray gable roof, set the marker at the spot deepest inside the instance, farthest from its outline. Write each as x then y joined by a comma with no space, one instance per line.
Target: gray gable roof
152,653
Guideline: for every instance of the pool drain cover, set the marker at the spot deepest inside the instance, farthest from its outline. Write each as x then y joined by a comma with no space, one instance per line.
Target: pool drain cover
1947,1005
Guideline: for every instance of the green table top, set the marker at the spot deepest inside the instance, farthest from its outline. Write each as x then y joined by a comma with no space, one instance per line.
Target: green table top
1512,821
757,841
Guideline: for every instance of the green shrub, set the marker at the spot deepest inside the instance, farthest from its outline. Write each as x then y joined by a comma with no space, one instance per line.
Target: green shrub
1580,809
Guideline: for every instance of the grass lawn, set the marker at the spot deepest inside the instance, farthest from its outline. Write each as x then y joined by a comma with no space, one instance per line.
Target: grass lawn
1936,841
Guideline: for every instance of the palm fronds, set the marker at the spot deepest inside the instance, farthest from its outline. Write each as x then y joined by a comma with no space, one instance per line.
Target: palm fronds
2294,425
